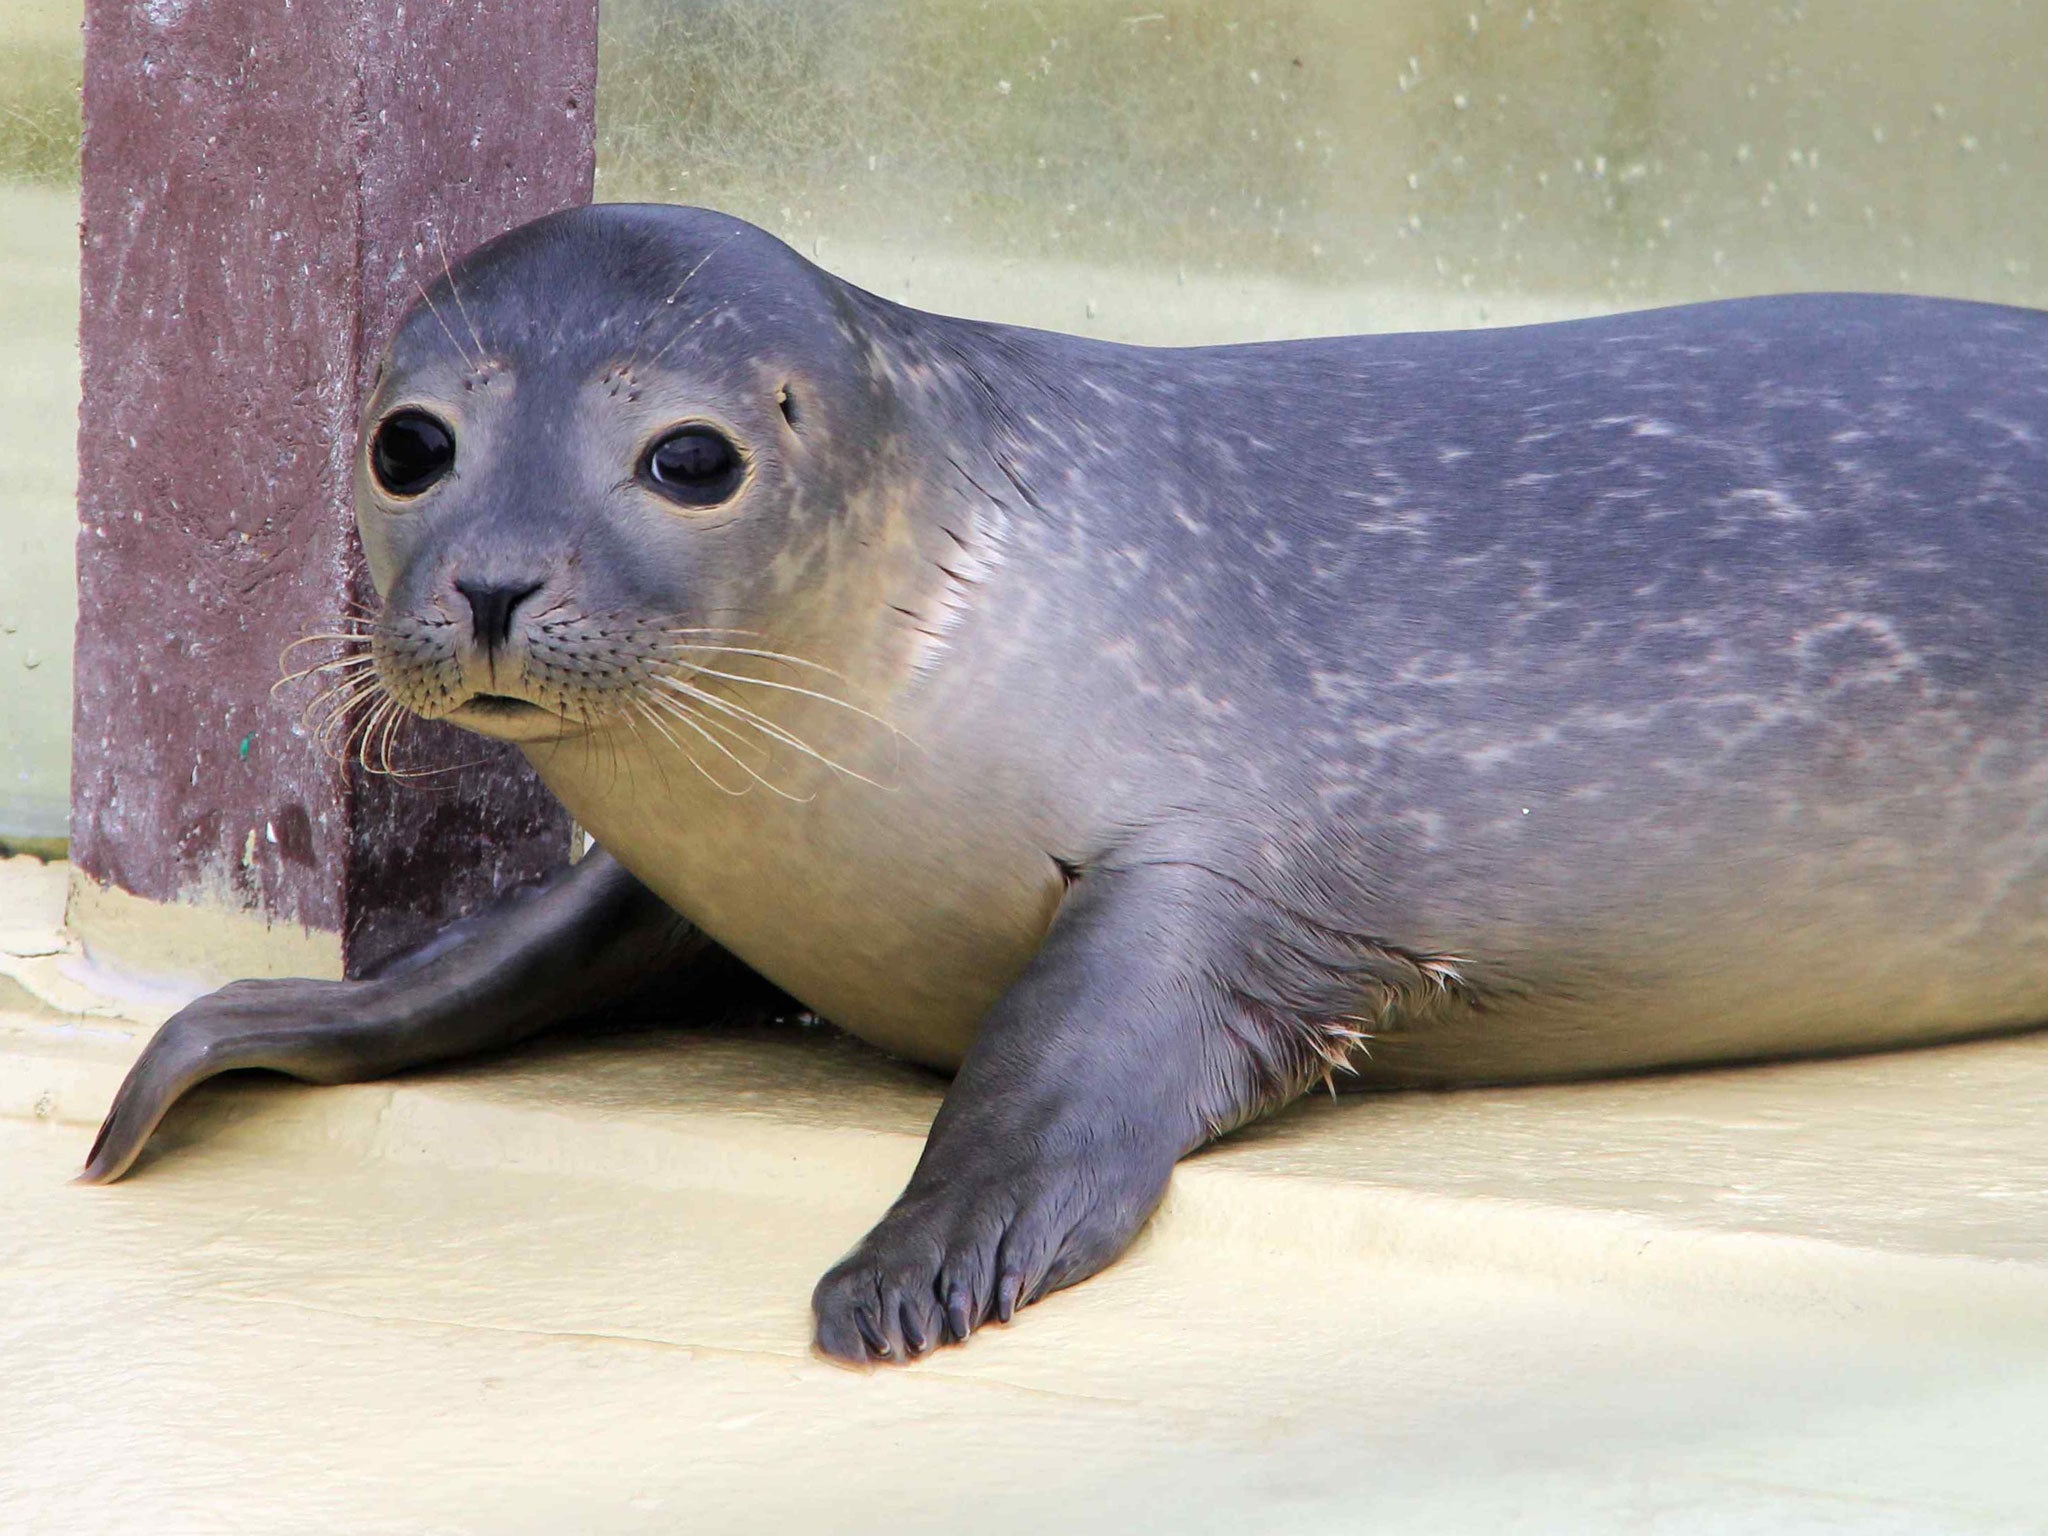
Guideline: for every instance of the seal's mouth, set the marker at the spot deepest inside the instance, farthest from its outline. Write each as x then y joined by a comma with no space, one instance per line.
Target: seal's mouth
508,718
501,704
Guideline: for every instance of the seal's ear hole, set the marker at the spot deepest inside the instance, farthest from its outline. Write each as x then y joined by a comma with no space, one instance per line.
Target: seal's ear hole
695,466
787,402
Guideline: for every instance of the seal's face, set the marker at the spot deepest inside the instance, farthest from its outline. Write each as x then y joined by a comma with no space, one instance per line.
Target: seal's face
591,480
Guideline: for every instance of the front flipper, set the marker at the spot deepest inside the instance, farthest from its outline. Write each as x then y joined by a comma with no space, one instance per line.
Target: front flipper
1123,1047
588,936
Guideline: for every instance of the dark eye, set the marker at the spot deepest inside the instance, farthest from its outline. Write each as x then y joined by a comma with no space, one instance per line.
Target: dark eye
693,465
410,451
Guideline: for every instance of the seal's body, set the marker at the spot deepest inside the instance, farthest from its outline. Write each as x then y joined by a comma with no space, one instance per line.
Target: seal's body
1150,735
1678,681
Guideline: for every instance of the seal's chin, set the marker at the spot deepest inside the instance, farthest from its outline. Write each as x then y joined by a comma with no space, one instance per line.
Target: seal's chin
510,719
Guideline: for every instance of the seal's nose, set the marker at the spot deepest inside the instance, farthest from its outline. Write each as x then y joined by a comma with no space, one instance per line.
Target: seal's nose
491,607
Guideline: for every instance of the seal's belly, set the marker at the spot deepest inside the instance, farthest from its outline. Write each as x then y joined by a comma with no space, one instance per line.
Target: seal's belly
1775,915
900,913
1787,910
1618,1001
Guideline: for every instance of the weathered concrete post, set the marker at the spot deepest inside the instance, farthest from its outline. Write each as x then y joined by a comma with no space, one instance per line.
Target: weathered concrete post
264,185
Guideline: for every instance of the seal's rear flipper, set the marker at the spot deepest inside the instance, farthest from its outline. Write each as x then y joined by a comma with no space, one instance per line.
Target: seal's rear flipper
588,936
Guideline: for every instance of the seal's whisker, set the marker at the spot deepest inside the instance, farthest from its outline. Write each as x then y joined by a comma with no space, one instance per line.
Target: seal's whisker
351,723
338,715
359,730
622,761
313,636
730,733
352,659
368,744
589,744
404,720
372,742
667,735
474,365
455,293
352,644
369,738
340,664
322,726
774,733
385,738
765,726
345,721
809,693
632,723
700,724
340,682
330,681
691,756
669,302
647,713
677,291
710,314
362,637
753,719
335,738
782,656
327,737
330,705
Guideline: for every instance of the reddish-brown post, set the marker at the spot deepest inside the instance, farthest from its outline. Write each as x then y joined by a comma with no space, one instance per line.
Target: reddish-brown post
265,185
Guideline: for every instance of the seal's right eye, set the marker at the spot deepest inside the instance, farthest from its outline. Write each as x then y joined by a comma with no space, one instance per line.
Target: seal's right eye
693,465
410,451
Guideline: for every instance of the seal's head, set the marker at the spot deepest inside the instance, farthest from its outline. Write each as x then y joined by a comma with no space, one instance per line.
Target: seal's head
614,446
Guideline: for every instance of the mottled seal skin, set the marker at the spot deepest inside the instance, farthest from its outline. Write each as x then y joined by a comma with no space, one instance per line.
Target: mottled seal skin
1171,730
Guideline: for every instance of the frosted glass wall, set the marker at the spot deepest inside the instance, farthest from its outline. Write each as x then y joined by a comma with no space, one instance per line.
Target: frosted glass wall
40,65
1182,170
1179,172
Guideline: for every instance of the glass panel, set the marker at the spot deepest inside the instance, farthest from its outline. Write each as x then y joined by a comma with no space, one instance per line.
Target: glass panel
40,67
1180,172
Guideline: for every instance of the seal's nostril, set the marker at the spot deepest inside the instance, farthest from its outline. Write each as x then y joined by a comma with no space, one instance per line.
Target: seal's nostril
491,608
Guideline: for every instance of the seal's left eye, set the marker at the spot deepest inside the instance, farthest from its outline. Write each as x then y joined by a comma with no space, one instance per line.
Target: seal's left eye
410,452
693,465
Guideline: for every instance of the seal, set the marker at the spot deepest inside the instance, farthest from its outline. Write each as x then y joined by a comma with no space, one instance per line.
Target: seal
1147,737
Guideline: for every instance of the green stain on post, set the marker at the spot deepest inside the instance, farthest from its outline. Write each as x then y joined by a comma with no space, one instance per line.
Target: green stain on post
243,750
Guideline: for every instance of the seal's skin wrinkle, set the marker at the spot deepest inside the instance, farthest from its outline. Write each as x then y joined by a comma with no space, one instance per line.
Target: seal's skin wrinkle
1150,736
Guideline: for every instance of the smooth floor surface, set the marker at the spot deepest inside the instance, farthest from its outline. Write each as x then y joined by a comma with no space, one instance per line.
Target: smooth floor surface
565,1290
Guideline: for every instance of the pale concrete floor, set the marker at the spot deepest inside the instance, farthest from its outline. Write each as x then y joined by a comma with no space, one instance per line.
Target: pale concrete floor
565,1291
